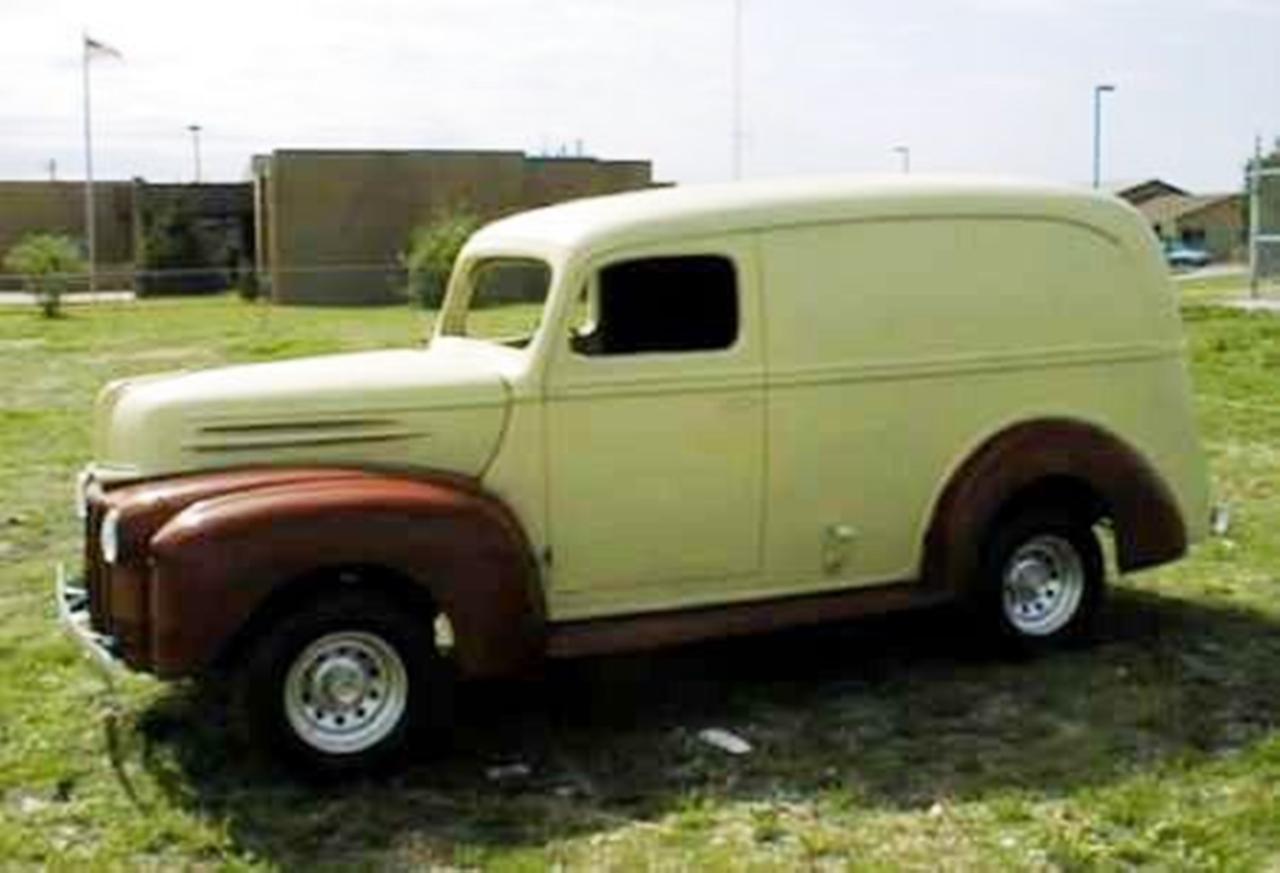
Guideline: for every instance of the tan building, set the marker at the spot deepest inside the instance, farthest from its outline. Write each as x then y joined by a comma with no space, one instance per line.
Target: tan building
58,207
151,238
330,225
1215,223
1212,222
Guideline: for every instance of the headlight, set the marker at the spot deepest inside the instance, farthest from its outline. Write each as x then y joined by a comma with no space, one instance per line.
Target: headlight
109,536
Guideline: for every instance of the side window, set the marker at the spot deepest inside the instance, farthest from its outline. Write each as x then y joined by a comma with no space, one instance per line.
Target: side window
668,304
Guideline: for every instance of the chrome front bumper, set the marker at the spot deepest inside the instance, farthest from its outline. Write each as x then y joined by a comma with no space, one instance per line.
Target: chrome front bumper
73,614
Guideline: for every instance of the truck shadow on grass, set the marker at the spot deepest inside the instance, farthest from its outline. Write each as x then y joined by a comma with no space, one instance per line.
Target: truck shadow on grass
890,713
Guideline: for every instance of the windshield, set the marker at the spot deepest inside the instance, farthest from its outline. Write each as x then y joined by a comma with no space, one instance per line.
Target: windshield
503,302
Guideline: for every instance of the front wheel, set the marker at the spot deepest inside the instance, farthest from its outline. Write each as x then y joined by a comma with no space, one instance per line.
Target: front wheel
1042,579
344,685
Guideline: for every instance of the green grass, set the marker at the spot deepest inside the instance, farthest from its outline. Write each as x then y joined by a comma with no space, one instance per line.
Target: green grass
1198,289
1219,288
878,745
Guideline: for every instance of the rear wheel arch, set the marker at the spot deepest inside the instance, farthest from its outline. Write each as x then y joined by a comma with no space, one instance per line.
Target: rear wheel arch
1072,492
1054,462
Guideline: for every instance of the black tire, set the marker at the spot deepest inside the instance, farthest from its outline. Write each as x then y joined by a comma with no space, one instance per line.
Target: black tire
378,631
1048,545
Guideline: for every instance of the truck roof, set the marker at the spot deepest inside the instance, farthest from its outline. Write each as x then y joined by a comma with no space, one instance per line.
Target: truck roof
644,216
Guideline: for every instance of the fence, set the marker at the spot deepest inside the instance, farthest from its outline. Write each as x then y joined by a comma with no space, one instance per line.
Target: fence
389,279
1264,226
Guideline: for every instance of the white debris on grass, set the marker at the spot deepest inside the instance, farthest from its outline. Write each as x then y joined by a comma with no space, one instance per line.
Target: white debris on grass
725,741
1220,520
504,772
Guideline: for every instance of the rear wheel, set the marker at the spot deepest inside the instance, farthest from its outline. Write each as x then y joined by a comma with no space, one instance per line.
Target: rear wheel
345,684
1042,578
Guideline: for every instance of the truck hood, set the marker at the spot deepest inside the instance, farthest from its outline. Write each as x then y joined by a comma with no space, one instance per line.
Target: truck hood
442,408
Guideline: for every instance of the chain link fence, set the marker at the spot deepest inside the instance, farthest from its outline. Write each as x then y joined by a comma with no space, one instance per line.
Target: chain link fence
1264,226
389,278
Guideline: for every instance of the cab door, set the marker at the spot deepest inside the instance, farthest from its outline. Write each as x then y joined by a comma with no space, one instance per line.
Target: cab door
655,431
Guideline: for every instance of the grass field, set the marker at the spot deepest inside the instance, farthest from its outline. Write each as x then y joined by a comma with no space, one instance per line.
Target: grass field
1220,287
878,745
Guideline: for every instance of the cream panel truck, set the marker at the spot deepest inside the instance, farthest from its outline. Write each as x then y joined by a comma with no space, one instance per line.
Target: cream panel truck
723,410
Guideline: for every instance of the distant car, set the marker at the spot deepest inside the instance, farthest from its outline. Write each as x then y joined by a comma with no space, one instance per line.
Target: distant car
1179,255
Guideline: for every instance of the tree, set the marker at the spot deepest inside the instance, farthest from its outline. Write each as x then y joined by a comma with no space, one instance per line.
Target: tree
46,262
433,248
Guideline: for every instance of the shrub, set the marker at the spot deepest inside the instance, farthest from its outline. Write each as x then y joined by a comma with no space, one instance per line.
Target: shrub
46,262
172,256
248,285
433,248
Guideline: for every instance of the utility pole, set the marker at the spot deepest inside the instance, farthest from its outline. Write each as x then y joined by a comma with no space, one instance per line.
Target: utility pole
195,147
737,89
1098,91
905,152
53,169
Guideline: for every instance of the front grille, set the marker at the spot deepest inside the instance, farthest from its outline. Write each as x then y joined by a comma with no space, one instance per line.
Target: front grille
94,571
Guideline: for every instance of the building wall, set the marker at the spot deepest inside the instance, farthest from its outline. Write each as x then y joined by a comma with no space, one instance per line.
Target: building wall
1220,228
335,222
58,207
554,180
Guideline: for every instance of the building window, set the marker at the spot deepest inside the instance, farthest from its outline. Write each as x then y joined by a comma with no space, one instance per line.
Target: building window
668,304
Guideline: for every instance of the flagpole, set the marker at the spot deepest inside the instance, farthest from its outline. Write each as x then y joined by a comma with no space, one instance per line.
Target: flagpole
90,216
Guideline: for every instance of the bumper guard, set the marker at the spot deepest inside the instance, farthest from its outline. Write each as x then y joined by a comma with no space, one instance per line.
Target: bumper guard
73,614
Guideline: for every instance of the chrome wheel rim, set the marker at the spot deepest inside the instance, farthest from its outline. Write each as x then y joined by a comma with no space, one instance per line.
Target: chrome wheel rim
346,692
1043,584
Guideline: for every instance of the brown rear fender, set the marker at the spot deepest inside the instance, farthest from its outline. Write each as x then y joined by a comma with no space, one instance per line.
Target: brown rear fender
219,560
1078,461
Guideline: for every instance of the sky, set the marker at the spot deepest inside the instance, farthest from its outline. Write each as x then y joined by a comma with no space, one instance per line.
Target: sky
971,86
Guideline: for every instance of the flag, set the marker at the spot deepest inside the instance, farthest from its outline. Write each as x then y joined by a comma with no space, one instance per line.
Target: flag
92,47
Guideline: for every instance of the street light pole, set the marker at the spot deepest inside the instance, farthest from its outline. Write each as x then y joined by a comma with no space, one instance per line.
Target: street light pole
1098,91
195,147
905,152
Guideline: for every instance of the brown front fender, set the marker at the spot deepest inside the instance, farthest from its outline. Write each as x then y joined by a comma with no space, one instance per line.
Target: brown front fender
218,561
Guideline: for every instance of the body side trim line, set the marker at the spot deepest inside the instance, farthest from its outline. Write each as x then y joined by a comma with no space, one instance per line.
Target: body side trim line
230,443
661,629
